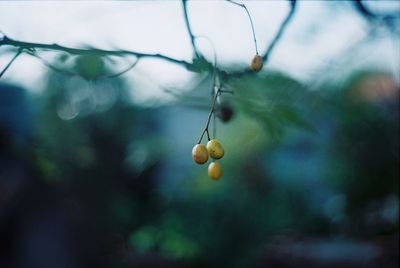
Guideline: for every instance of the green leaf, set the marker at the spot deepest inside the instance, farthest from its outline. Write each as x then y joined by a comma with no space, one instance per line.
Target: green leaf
276,100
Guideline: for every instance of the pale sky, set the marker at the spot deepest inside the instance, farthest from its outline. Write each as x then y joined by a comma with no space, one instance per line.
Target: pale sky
319,35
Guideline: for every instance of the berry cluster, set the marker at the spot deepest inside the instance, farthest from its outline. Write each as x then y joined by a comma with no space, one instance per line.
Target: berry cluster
200,153
214,149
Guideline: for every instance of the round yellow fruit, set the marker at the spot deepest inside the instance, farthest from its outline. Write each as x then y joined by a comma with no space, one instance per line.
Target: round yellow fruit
256,63
199,154
214,171
215,149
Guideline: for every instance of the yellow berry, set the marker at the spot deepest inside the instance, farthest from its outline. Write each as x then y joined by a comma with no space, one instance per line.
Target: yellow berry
215,149
214,171
257,63
199,154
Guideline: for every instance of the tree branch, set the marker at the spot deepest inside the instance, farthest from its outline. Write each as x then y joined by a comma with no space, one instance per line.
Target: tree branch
189,29
280,31
31,47
11,62
6,41
224,75
365,11
388,18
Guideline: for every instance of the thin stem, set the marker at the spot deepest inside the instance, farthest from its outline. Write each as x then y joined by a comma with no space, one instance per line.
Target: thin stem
226,76
215,90
252,28
281,30
121,72
69,73
214,126
209,117
189,29
251,22
51,66
213,97
201,137
11,62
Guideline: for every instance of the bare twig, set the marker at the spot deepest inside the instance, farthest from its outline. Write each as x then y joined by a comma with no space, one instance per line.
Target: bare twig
389,19
11,61
251,22
280,31
214,126
52,66
6,41
209,117
189,29
33,47
70,73
117,74
365,11
266,55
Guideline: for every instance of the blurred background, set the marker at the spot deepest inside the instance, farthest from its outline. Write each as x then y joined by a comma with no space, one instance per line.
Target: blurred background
96,171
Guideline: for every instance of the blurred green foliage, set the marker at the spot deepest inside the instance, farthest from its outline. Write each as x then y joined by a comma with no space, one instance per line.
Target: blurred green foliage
297,162
274,99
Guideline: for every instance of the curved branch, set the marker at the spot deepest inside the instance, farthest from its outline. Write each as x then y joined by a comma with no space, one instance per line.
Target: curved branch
117,74
51,66
6,41
280,31
31,47
251,22
224,75
189,29
388,18
69,73
365,11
